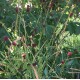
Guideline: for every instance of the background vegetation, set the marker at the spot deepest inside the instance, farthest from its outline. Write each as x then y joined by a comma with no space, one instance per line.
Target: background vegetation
39,39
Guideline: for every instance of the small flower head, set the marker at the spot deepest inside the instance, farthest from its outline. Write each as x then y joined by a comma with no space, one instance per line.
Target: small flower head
62,61
6,38
17,9
28,8
69,53
51,4
34,64
71,14
34,45
14,43
23,55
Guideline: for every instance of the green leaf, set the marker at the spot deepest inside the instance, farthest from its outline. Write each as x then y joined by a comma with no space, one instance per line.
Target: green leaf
46,71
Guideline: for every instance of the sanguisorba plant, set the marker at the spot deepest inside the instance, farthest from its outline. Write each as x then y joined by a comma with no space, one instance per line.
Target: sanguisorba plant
33,42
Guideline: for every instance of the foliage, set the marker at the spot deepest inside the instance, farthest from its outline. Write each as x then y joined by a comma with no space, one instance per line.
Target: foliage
36,37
